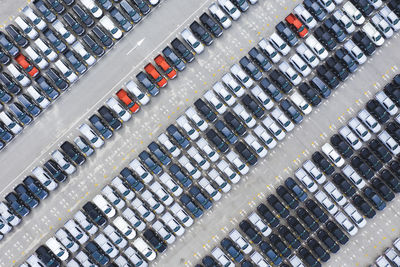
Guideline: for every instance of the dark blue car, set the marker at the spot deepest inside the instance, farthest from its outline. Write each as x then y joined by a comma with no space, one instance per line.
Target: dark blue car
149,162
178,136
35,187
159,153
5,134
145,81
100,126
26,196
191,206
179,175
96,253
54,40
135,183
29,105
44,84
16,204
19,112
296,189
8,46
75,62
47,257
42,7
270,253
200,197
232,250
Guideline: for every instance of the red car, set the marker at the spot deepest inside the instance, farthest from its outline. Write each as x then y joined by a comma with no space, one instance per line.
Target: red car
163,64
151,70
31,70
132,105
296,23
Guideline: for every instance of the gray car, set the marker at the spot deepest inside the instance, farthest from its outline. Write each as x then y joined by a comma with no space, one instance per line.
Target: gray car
42,7
122,21
174,59
250,68
133,14
54,40
8,45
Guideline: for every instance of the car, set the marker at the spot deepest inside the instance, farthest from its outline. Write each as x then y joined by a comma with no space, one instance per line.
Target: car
201,33
282,119
255,145
377,110
374,198
346,223
181,215
232,249
133,88
57,248
250,158
143,6
44,9
270,253
17,205
149,85
193,171
199,158
143,210
94,9
355,52
373,34
328,241
305,16
159,153
131,104
103,37
390,17
364,42
77,232
110,118
333,155
47,257
386,102
356,125
335,29
303,177
9,82
278,206
390,143
178,136
71,151
290,74
45,178
55,171
250,68
252,106
322,254
356,217
75,62
221,182
295,23
393,92
325,201
29,106
298,63
66,71
123,114
4,59
355,15
170,147
227,96
212,154
307,219
164,65
10,122
193,208
123,22
316,47
81,50
314,172
232,84
287,197
101,126
322,163
16,35
279,79
380,150
159,80
83,16
273,128
343,21
244,79
315,9
371,159
234,159
35,187
392,255
310,94
84,222
124,227
192,41
297,227
369,120
382,26
382,189
141,171
210,96
28,200
97,253
229,8
365,6
34,18
235,124
260,59
291,111
134,16
390,180
286,33
54,40
60,28
109,25
240,241
336,232
149,162
346,59
268,48
289,237
177,62
300,103
225,168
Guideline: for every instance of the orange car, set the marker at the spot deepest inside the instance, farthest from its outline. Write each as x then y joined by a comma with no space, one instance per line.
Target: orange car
132,105
151,70
295,22
31,70
163,64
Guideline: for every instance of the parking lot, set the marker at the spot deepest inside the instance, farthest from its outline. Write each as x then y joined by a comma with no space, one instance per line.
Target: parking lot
122,63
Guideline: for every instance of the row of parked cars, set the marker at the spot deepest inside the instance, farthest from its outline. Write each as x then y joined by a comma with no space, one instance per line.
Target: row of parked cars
390,257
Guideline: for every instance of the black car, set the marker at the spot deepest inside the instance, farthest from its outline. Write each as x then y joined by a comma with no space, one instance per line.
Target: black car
249,156
16,35
182,50
364,6
291,111
252,106
336,232
56,5
103,37
143,7
176,61
395,168
364,206
94,213
343,56
310,94
322,163
109,117
132,13
395,6
320,86
208,262
328,76
205,110
270,89
4,59
287,197
232,249
337,68
75,62
342,146
101,126
218,141
47,257
362,40
96,49
295,189
250,231
56,172
343,184
270,253
279,245
16,205
394,130
25,195
45,85
157,242
371,159
4,96
278,78
298,227
250,68
328,241
286,33
225,131
392,181
288,236
68,2
201,33
260,59
266,213
131,179
147,83
334,28
236,124
316,210
314,245
56,78
8,45
362,167
325,38
97,254
307,219
178,136
42,7
83,16
35,187
159,153
9,83
73,153
377,110
382,189
374,198
54,40
393,91
278,206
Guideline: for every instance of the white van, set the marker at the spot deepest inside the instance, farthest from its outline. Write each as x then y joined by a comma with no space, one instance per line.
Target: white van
10,123
67,35
28,29
38,97
81,50
66,71
47,51
37,21
88,132
44,178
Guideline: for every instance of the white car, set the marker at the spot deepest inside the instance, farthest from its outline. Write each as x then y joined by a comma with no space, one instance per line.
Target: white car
306,180
201,161
134,220
161,193
166,142
333,155
104,206
113,197
332,190
66,71
77,232
152,202
81,50
34,18
46,50
38,97
220,16
301,103
381,261
355,215
183,122
273,127
109,25
134,257
123,188
389,142
67,35
230,9
382,25
224,167
295,261
354,14
181,215
8,216
305,16
216,177
123,226
220,89
139,206
328,5
83,259
375,3
93,137
369,121
233,85
362,132
141,171
313,170
4,226
237,162
26,28
10,123
192,41
173,224
144,249
167,180
33,261
210,189
18,75
265,137
83,221
240,241
396,244
316,47
44,178
92,7
211,153
256,220
196,119
244,115
269,50
386,102
163,232
346,223
390,17
191,169
215,102
118,109
262,97
355,52
354,177
57,248
255,145
221,257
344,21
325,201
393,256
279,44
64,163
115,236
299,64
373,34
132,87
282,119
66,240
350,137
245,79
